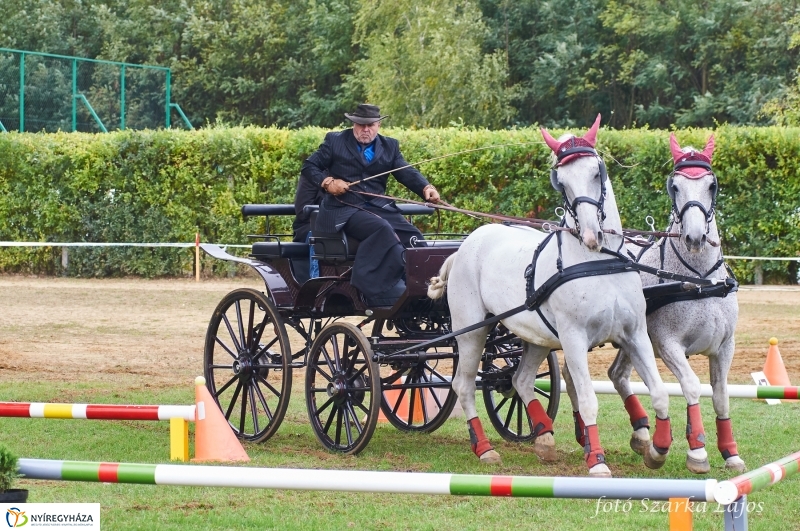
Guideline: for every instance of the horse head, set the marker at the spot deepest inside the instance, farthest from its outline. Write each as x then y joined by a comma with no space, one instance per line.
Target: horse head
693,188
580,175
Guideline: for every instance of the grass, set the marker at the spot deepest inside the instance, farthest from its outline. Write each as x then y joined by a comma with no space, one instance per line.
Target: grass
764,433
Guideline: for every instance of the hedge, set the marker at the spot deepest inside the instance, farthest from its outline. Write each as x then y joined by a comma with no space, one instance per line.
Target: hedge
164,186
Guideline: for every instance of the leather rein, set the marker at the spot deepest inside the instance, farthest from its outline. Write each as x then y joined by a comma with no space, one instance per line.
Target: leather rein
630,235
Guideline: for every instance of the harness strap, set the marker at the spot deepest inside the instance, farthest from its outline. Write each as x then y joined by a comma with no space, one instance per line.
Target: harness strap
535,299
530,273
660,273
665,294
582,270
489,321
690,268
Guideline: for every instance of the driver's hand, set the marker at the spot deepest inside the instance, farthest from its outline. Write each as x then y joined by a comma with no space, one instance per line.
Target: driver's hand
430,194
337,187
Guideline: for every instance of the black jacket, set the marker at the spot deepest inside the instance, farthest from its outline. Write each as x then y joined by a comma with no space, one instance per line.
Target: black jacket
307,193
338,156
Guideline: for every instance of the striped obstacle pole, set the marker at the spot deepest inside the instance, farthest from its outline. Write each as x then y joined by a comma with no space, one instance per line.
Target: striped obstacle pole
674,389
733,492
360,481
178,416
726,492
678,492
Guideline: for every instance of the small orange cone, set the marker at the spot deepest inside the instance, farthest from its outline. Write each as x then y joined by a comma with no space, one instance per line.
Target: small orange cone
393,395
774,369
214,439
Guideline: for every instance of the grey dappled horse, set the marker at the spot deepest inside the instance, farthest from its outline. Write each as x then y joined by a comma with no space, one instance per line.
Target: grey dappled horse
487,276
685,328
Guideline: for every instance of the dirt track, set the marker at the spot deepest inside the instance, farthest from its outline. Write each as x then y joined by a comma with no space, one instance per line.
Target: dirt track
133,330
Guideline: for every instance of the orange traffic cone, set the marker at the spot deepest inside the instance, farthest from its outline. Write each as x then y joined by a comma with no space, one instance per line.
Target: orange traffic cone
774,369
214,439
393,395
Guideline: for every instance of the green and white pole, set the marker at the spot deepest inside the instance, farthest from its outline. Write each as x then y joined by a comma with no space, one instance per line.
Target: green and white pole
359,481
729,491
603,387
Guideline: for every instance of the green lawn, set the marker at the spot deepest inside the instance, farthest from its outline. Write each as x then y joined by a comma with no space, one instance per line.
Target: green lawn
764,433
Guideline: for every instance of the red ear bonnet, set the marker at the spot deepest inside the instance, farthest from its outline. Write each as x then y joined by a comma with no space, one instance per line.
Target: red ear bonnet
683,160
588,140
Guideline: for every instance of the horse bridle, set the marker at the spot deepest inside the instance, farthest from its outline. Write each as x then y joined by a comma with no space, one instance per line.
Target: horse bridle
708,213
572,207
677,215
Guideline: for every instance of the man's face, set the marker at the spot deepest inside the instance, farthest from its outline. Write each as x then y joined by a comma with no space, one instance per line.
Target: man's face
366,133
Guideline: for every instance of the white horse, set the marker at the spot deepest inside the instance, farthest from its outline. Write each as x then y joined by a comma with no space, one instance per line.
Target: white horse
685,328
487,276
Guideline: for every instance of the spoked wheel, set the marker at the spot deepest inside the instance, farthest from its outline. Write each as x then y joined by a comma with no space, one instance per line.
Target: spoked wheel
504,406
420,397
342,388
246,363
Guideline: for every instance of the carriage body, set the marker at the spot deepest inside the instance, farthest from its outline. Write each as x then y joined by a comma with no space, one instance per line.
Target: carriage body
355,371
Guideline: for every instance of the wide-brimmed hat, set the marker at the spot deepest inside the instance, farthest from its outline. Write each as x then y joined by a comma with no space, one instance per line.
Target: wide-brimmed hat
365,114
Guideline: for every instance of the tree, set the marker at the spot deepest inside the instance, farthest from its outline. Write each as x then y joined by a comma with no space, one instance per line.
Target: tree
424,65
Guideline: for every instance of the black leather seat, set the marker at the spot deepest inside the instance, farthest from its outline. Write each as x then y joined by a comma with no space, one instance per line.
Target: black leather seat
333,247
274,250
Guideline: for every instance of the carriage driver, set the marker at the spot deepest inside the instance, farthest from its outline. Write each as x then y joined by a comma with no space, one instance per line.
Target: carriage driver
352,155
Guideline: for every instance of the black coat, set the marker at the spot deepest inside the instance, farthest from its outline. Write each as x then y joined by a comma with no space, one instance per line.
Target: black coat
307,193
338,157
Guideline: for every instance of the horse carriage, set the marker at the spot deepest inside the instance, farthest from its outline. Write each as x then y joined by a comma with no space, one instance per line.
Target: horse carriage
360,362
405,368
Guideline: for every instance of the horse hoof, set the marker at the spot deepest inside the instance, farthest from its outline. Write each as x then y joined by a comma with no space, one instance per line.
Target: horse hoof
490,457
599,471
735,464
545,447
640,446
653,459
698,466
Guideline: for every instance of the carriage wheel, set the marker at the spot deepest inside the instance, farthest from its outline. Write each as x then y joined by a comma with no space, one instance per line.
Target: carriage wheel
342,384
246,363
418,405
505,408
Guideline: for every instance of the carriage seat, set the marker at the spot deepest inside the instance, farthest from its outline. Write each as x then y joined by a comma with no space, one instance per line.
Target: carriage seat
335,247
278,249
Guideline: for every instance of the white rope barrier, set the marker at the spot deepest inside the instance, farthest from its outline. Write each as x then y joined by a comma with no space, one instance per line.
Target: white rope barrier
785,259
103,244
244,246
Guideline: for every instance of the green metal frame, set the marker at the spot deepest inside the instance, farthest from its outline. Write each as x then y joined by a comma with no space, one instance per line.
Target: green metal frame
78,97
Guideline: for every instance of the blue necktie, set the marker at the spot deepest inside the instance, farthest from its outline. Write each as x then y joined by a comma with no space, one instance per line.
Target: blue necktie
368,152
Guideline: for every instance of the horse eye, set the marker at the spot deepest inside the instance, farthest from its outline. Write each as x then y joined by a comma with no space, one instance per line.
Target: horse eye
713,186
674,189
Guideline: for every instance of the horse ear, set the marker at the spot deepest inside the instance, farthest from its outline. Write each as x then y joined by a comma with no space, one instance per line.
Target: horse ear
591,134
708,151
675,148
549,140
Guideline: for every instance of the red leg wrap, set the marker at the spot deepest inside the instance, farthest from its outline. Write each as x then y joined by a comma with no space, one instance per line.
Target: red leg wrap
592,451
695,433
580,428
636,413
662,439
541,422
480,444
725,442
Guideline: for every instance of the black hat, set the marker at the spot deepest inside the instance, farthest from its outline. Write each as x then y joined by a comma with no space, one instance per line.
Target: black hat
366,114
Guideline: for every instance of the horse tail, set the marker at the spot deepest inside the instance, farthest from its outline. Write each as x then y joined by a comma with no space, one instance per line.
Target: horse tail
438,284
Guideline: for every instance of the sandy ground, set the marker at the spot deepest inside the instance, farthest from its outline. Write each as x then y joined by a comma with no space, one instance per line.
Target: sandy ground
141,333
